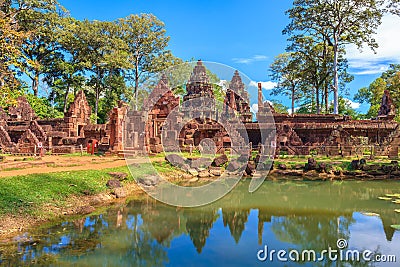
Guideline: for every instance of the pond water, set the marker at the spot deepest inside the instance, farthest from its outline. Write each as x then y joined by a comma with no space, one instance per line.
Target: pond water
289,216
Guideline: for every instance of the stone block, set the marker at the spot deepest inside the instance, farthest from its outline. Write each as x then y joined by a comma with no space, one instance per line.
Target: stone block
221,160
113,183
216,171
156,148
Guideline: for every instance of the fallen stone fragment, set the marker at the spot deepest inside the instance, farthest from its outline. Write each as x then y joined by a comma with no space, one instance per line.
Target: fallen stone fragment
193,172
85,210
119,175
113,183
120,192
221,160
204,174
150,180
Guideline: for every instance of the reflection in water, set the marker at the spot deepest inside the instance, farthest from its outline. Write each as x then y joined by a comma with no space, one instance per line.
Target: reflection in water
281,215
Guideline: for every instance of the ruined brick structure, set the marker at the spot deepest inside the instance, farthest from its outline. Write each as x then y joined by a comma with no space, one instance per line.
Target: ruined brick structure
237,98
154,130
298,134
23,133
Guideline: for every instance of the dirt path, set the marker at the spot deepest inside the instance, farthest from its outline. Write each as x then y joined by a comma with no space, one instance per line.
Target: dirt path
51,164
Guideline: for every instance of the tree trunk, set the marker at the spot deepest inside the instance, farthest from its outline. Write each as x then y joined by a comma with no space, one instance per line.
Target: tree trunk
96,104
293,90
317,99
97,96
35,85
136,84
66,99
326,98
1,80
324,82
336,79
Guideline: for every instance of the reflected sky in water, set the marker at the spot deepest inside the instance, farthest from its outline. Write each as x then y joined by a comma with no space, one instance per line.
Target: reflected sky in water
282,215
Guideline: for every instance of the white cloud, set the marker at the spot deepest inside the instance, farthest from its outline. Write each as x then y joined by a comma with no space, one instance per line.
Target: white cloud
352,104
250,59
254,108
388,38
224,84
289,110
265,85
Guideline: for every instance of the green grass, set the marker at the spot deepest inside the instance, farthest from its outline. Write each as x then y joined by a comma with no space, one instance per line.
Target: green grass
27,194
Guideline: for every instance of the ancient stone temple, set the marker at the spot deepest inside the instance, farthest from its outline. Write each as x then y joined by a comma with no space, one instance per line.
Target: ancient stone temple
22,111
297,134
23,133
165,104
199,91
78,116
167,125
199,84
237,98
387,109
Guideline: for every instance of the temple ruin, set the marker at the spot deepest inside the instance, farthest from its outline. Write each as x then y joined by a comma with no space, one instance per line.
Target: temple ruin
153,131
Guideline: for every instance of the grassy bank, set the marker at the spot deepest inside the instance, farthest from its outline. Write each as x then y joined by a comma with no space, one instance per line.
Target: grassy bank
35,198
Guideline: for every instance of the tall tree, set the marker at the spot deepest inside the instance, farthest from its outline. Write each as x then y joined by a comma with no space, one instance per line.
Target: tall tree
41,46
99,49
317,58
64,70
340,23
146,43
286,71
10,42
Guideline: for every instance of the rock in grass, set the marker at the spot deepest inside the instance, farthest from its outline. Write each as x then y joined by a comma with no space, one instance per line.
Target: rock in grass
204,174
311,164
200,163
322,167
193,172
298,167
120,192
119,175
175,160
250,168
233,166
363,161
221,160
113,183
85,210
397,210
385,198
355,164
216,171
150,180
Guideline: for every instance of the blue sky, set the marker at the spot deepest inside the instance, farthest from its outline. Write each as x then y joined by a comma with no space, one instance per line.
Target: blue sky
245,35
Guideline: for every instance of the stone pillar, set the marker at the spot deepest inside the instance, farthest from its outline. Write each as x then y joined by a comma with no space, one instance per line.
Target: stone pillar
260,97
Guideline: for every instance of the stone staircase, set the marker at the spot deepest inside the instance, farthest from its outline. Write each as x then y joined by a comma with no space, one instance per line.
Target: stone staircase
237,141
5,141
392,144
